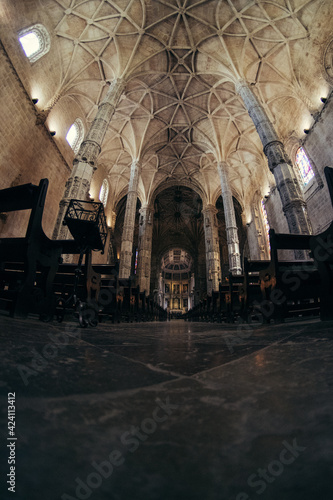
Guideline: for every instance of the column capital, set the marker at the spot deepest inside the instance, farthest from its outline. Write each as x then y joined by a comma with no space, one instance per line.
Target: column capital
210,209
222,170
276,154
145,209
115,89
136,164
240,85
146,213
222,164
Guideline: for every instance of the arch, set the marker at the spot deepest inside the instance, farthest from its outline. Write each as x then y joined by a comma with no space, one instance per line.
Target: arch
174,182
35,41
218,192
123,193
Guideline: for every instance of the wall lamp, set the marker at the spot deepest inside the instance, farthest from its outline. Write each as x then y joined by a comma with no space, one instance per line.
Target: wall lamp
323,99
34,101
306,131
53,133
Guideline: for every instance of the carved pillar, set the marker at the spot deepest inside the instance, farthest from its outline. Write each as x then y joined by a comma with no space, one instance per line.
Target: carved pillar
160,290
230,221
294,207
78,183
213,266
144,248
111,256
129,222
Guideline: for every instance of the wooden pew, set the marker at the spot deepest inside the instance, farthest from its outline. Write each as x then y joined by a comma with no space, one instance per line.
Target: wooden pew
297,288
322,252
253,295
225,313
104,294
289,289
23,257
29,264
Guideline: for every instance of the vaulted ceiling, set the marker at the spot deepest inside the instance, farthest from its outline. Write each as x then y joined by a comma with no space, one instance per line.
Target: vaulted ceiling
180,113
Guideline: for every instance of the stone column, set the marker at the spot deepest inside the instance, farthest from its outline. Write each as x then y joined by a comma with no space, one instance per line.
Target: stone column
160,290
213,266
294,207
230,221
144,248
111,257
84,164
129,223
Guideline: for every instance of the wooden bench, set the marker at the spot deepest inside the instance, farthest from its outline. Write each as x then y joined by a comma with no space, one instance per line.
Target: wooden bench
308,284
288,288
22,258
29,264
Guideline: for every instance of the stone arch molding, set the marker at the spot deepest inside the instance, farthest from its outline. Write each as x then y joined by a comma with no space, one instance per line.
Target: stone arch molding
328,62
180,183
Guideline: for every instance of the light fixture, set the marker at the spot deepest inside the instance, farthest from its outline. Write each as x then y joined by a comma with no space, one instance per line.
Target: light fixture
34,101
323,99
306,131
53,133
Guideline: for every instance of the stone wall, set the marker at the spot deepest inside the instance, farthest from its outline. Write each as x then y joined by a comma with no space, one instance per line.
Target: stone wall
319,146
27,151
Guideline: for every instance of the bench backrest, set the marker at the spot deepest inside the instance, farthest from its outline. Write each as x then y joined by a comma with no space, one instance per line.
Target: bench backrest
25,197
285,241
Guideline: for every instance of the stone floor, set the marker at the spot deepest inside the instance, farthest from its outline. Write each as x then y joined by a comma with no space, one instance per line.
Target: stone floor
169,411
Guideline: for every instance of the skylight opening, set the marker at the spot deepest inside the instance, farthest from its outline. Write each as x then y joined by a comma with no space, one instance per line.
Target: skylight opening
104,192
35,41
30,44
75,135
72,135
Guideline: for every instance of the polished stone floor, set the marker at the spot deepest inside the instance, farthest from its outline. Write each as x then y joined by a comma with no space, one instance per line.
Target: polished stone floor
169,411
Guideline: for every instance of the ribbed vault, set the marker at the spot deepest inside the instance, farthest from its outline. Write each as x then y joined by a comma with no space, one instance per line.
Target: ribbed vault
180,113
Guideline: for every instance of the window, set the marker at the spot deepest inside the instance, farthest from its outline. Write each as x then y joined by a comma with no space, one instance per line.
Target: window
35,41
304,166
266,225
104,192
136,261
75,135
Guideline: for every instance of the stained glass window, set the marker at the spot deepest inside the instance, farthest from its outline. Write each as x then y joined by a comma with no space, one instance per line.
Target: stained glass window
304,166
265,219
136,261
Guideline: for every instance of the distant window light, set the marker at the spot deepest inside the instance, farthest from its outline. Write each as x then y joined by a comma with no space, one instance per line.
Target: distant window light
30,44
136,261
304,166
104,192
35,41
266,224
75,135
